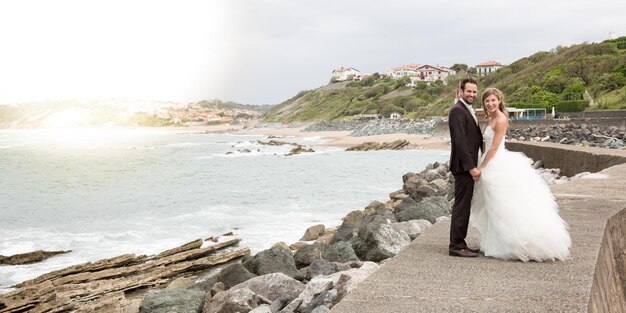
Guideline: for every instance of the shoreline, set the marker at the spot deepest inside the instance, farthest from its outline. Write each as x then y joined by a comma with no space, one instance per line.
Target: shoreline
342,139
337,139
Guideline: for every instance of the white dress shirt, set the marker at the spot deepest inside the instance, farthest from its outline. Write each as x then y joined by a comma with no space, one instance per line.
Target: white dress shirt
471,109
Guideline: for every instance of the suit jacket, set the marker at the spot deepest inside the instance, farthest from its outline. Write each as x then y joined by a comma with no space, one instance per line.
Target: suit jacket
466,139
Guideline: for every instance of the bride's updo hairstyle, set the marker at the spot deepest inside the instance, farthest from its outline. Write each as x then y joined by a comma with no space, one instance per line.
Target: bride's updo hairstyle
494,91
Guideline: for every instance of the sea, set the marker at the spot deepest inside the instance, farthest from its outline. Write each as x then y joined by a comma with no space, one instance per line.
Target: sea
105,192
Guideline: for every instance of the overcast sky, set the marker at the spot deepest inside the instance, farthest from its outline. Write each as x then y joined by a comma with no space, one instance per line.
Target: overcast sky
265,51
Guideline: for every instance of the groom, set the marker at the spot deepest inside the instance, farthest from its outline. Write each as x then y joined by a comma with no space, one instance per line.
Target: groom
466,139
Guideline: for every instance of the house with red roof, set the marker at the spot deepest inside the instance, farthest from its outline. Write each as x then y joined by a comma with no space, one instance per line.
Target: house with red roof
430,73
342,73
402,71
488,67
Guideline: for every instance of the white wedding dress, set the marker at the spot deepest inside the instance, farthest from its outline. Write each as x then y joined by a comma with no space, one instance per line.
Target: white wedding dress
515,211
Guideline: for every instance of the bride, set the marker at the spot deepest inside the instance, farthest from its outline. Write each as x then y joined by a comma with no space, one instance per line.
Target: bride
512,206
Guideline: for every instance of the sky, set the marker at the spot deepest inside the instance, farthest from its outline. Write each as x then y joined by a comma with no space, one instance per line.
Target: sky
266,51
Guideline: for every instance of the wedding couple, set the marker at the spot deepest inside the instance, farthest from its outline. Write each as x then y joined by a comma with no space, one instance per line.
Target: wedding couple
500,193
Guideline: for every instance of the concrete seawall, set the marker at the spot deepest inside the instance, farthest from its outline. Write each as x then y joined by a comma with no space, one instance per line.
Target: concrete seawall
570,159
441,128
608,293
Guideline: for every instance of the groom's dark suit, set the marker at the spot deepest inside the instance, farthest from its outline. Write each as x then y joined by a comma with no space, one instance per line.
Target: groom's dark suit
466,140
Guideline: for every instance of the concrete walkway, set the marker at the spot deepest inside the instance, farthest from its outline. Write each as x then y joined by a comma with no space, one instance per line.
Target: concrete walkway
423,278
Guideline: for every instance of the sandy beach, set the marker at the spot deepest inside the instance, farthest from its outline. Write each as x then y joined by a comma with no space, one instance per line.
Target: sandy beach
339,139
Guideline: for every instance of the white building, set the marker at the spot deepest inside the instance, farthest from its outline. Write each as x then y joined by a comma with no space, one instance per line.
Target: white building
402,71
430,73
487,68
343,73
395,115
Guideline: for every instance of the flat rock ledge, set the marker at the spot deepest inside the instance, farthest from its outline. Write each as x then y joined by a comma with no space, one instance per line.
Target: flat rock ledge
399,144
102,286
30,257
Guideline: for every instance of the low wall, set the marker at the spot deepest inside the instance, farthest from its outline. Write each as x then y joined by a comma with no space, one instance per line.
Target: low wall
599,121
570,159
441,128
587,114
608,292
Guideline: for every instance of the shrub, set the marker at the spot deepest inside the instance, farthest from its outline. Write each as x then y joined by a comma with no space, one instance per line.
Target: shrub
571,106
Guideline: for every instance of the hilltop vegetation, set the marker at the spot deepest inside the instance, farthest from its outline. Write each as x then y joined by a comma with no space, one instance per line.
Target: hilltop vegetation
568,78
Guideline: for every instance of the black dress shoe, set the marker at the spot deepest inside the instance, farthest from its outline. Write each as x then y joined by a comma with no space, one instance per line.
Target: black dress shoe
462,253
473,250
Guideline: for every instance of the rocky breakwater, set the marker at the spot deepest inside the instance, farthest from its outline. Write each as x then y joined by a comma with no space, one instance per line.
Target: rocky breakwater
573,134
376,127
315,273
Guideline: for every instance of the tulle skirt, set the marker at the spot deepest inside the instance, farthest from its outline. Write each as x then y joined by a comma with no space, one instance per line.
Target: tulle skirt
515,212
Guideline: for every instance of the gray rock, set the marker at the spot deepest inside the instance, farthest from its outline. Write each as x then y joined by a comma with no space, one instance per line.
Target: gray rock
428,209
234,274
310,292
263,308
309,253
423,191
321,309
373,207
278,259
340,251
617,144
235,300
379,241
279,303
412,228
346,281
322,267
313,232
273,286
322,302
172,300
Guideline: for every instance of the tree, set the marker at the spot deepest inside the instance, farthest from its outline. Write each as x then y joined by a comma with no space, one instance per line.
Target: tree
574,91
612,81
459,67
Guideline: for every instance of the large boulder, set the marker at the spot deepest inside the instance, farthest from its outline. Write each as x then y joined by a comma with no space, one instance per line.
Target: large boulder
273,286
428,209
172,300
322,303
412,228
313,232
322,267
234,274
379,241
372,207
338,252
346,281
278,259
349,227
313,289
230,301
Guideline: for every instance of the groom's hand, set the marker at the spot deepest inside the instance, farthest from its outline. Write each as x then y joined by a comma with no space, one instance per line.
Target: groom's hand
475,172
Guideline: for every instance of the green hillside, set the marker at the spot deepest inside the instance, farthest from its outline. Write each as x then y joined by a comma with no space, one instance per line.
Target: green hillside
565,77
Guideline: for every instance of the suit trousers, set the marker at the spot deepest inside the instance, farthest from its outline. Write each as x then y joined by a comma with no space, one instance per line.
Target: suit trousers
463,191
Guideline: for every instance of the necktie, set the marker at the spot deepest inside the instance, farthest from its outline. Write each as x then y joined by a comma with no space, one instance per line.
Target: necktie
473,114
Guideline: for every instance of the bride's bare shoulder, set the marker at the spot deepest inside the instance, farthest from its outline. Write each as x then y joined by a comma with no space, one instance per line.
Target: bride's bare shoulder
502,121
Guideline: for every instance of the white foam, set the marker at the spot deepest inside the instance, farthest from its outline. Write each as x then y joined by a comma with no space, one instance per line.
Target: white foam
595,176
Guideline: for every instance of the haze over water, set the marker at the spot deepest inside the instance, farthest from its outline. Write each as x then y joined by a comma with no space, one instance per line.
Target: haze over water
106,193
